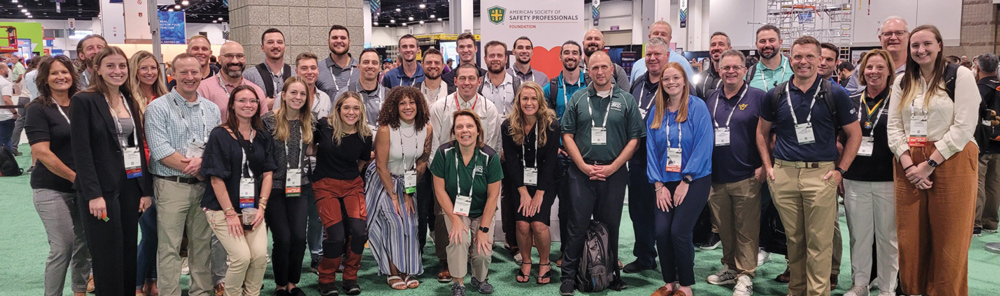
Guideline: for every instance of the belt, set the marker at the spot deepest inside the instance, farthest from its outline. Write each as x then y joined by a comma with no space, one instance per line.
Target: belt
179,179
802,164
598,162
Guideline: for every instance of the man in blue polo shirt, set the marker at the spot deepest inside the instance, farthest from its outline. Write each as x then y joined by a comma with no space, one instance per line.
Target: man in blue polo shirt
562,87
410,72
804,177
663,30
736,173
600,130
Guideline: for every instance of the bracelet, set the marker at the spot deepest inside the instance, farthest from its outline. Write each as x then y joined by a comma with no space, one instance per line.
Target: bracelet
658,189
908,168
230,213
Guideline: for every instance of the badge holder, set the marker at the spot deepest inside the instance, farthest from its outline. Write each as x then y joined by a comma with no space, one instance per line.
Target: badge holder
531,176
463,204
674,160
599,136
804,133
410,181
918,131
867,146
133,162
293,183
722,136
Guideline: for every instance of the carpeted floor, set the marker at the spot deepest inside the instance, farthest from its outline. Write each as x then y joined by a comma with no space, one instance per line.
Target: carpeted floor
23,249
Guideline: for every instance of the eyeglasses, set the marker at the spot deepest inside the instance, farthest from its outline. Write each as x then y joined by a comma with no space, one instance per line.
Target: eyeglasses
234,56
731,68
899,33
244,101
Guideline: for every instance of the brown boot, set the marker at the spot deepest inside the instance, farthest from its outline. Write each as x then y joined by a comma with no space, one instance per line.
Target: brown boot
784,277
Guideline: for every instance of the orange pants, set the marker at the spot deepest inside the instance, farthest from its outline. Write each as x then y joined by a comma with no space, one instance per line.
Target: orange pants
935,226
341,205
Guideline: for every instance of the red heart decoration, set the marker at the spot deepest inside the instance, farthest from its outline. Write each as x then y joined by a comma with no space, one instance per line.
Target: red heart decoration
547,60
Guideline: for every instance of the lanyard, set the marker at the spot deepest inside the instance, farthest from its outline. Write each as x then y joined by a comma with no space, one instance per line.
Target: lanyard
680,133
493,92
223,84
642,95
563,84
524,150
606,113
473,103
245,165
60,110
289,149
788,98
187,125
335,76
458,181
730,118
783,68
427,92
415,148
870,111
118,124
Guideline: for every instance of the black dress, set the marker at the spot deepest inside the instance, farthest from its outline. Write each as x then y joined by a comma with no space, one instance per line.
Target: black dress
544,158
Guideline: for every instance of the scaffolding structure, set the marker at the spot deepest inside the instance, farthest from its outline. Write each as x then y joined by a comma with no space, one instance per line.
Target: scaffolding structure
827,20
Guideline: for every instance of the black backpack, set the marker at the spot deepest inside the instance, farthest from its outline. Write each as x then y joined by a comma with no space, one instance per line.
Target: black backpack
826,96
269,79
597,266
8,165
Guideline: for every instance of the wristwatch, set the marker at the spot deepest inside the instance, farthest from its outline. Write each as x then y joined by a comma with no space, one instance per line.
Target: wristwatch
484,229
932,163
842,171
687,179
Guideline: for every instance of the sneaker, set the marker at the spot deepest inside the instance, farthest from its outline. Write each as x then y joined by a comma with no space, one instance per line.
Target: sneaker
328,289
184,266
314,267
763,257
457,289
860,291
517,258
635,267
17,153
978,231
484,287
724,276
567,288
989,230
744,286
713,242
887,293
352,287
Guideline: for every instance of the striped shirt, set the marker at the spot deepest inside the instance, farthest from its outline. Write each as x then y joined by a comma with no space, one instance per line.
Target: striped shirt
172,124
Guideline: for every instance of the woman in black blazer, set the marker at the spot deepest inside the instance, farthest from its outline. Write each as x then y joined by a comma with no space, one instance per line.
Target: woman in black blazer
112,181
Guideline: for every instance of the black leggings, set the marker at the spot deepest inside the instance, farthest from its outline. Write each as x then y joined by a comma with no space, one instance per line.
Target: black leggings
674,231
113,243
286,217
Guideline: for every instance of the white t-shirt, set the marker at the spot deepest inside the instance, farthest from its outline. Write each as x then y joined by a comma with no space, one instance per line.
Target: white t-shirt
6,89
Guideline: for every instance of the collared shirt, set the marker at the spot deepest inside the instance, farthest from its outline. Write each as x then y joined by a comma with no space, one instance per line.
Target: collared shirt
532,75
950,124
639,67
471,179
786,145
372,99
332,77
449,78
432,95
212,88
17,71
620,77
172,123
738,160
397,77
694,136
878,167
29,82
85,79
644,93
766,79
621,119
277,82
502,95
564,91
441,118
6,90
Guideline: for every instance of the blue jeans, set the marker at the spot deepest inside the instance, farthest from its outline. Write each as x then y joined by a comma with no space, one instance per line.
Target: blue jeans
146,261
6,129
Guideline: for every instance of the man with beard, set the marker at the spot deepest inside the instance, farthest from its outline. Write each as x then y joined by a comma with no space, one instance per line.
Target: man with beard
562,87
216,89
86,49
372,94
200,48
497,86
711,80
433,64
828,60
523,50
844,72
433,90
593,41
338,70
663,30
773,68
272,44
895,38
411,72
467,50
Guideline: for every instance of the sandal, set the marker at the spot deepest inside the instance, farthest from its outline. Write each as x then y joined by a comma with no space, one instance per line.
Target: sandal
544,276
444,276
396,282
520,273
411,282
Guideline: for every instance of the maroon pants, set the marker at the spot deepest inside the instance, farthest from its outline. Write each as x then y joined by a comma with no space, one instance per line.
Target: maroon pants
341,205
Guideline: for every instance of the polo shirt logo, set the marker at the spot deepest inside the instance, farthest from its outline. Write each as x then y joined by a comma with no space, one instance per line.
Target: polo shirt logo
743,107
616,106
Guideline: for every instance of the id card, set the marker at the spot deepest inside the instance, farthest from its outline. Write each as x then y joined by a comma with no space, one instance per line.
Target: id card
918,130
410,181
195,149
531,176
246,193
643,113
674,160
293,182
867,146
133,162
599,136
804,133
722,136
462,205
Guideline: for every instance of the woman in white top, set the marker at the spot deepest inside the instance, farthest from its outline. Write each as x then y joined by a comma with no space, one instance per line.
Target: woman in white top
930,132
402,147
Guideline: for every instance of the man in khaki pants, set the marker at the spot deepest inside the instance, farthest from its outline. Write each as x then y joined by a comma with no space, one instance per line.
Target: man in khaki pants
805,113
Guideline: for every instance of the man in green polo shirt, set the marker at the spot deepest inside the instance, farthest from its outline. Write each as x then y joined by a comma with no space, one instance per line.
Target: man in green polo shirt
601,129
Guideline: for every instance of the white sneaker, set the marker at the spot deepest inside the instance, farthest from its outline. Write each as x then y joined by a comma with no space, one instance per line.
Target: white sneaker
744,286
184,266
762,257
887,293
517,258
723,277
857,291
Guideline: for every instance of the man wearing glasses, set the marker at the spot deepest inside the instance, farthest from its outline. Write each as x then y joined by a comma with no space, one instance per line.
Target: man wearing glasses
216,89
895,37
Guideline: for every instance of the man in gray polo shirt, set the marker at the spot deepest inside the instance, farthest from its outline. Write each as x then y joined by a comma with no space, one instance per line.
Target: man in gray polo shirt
272,73
336,71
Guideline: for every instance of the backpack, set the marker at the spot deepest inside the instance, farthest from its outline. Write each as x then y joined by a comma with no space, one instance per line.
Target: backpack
597,266
826,96
268,78
8,165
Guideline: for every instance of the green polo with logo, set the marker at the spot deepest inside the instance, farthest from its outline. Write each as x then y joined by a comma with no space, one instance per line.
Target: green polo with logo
624,122
482,170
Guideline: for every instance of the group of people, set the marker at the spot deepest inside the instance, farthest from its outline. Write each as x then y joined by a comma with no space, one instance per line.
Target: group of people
329,157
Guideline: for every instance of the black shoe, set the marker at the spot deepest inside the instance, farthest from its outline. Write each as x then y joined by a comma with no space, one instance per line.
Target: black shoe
281,293
635,267
978,231
713,242
17,153
567,288
314,267
483,287
297,292
328,290
352,287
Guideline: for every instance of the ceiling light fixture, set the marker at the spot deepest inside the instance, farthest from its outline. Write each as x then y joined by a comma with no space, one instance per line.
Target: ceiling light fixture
421,22
24,10
432,16
177,7
220,19
439,19
13,1
392,21
398,10
404,24
422,6
170,9
30,16
410,18
376,23
185,3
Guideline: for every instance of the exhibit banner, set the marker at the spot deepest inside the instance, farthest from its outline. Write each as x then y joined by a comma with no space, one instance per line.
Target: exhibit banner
172,27
548,23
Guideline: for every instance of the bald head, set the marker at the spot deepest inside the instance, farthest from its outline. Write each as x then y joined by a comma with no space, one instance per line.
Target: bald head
593,41
233,59
600,70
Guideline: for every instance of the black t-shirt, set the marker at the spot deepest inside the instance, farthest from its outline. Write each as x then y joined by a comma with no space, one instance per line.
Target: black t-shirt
339,162
223,158
44,123
988,90
878,167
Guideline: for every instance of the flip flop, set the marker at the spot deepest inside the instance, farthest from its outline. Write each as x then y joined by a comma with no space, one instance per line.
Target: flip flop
547,275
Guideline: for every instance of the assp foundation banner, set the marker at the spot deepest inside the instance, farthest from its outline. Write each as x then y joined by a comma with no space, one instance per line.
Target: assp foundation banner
548,23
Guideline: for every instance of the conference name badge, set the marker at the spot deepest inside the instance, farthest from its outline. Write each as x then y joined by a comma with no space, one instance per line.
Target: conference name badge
410,181
804,133
133,164
918,130
293,183
722,136
599,136
195,149
531,176
463,204
674,160
246,193
867,146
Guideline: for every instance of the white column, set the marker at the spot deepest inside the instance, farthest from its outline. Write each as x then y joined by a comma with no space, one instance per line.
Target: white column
461,19
366,10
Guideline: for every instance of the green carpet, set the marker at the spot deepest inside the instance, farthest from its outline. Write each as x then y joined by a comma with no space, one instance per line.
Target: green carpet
23,249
